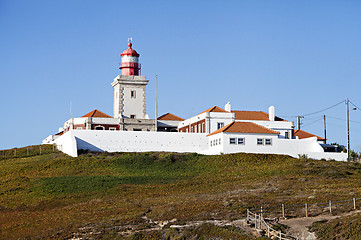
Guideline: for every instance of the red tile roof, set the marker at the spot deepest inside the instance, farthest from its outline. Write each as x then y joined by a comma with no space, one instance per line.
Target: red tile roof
253,115
244,127
170,117
97,114
214,109
303,134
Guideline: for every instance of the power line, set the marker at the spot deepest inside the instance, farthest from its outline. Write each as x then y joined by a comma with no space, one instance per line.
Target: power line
313,122
324,109
355,105
308,114
342,119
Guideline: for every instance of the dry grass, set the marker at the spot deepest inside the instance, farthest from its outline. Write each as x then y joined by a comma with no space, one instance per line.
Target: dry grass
53,195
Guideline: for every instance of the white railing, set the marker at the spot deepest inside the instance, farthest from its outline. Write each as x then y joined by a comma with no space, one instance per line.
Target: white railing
261,224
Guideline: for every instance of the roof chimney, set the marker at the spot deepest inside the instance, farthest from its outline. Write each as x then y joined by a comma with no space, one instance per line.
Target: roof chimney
227,107
271,113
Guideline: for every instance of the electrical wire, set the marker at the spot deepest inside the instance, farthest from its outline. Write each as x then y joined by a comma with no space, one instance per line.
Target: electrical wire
354,105
342,119
343,101
312,122
308,114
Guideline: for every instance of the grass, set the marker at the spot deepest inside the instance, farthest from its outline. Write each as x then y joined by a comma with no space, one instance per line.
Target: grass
348,227
52,195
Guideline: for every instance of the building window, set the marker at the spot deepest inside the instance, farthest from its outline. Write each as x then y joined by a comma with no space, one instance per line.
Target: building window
268,141
241,141
211,143
232,141
137,129
132,94
259,141
287,135
132,116
99,128
219,141
203,129
191,129
112,128
220,125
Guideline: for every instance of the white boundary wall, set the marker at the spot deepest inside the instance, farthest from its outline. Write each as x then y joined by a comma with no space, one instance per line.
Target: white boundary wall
134,141
131,141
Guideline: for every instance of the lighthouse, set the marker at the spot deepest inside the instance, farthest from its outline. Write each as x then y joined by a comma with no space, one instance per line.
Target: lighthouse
130,103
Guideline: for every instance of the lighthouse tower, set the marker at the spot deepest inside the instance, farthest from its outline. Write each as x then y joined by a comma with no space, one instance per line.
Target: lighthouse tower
130,88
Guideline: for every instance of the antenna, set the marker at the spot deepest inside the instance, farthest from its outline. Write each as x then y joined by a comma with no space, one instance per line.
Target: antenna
156,102
70,109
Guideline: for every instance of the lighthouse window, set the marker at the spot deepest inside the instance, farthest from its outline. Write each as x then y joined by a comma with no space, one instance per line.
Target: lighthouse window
132,94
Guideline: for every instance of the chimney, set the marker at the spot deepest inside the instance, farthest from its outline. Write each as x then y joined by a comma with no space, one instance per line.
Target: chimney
271,113
227,107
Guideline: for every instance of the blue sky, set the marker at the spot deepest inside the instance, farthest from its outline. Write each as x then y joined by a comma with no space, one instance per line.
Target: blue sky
300,56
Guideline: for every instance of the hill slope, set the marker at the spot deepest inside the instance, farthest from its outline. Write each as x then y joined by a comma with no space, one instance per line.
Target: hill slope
53,195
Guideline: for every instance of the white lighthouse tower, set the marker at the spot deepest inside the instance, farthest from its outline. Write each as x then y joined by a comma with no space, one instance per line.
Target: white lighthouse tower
130,103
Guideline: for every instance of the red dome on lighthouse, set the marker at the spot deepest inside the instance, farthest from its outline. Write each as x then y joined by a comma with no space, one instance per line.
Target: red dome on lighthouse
130,51
129,62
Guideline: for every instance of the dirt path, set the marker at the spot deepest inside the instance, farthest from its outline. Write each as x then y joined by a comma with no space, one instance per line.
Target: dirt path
298,226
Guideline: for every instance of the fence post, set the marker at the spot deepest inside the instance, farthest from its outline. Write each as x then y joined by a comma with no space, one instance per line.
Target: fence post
260,222
15,152
40,149
306,210
261,212
27,151
255,221
354,203
330,207
283,210
247,214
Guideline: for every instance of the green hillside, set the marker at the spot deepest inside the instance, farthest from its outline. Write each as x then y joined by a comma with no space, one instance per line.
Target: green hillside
52,195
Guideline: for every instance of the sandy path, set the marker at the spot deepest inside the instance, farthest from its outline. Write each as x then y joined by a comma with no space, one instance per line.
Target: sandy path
298,226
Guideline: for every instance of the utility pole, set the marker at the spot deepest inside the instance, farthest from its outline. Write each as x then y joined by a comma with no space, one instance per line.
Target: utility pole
348,131
299,122
324,125
156,103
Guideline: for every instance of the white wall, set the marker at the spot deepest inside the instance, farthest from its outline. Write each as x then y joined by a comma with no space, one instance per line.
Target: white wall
67,144
134,106
129,141
124,141
250,145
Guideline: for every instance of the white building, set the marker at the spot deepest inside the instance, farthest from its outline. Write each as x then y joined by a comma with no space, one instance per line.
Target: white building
214,131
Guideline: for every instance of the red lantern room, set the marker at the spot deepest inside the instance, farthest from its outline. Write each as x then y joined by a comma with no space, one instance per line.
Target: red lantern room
129,62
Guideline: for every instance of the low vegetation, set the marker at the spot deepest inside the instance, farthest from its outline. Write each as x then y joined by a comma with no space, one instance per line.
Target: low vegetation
52,195
347,227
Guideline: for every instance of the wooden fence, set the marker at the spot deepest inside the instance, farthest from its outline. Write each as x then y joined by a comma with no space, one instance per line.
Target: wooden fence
261,224
309,209
27,151
256,216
